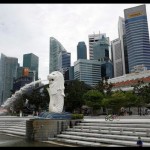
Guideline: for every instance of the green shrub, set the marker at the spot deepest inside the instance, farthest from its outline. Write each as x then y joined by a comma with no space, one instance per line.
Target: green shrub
77,116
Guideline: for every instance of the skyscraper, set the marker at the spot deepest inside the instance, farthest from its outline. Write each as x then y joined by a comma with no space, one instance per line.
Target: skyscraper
124,54
8,72
117,57
60,59
81,51
137,37
93,38
88,71
101,49
32,62
66,60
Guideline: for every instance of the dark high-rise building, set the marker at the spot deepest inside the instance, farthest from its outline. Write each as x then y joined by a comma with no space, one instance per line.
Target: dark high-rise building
32,62
107,71
8,72
137,37
125,55
81,51
66,60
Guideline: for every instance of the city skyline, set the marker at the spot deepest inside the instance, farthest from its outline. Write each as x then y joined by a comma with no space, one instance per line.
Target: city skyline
27,28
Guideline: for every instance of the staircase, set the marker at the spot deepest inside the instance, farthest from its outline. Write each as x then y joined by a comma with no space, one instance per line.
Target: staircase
123,133
13,126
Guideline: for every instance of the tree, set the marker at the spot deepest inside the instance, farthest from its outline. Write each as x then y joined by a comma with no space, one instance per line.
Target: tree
146,93
18,105
93,99
38,98
104,87
74,91
131,99
138,90
115,101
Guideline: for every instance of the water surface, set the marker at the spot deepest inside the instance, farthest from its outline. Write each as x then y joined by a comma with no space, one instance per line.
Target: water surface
13,141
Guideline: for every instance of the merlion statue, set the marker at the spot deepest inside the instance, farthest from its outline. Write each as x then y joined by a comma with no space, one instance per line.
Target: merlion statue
56,91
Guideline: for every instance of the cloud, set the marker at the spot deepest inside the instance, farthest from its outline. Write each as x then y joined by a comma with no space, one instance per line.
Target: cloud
26,28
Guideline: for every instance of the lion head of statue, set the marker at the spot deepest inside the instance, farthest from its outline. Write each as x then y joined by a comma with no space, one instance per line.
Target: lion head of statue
56,82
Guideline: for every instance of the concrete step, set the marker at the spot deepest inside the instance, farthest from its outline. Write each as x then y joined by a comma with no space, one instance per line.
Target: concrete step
99,124
113,128
121,121
13,127
100,135
101,140
85,143
14,132
110,133
128,133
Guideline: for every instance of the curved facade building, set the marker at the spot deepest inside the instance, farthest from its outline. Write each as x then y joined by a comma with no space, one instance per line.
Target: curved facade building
59,57
137,37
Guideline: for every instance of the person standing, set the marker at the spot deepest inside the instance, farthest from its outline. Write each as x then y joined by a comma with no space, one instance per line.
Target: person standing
139,142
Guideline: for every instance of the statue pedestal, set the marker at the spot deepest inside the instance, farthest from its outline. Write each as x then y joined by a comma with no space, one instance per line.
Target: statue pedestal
41,129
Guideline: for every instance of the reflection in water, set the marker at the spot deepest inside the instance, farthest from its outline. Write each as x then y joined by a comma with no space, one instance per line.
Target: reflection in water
11,141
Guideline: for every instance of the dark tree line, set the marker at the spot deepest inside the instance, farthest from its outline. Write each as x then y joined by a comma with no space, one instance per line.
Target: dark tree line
78,94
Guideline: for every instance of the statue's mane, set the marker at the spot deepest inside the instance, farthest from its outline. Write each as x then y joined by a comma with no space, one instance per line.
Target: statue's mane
58,83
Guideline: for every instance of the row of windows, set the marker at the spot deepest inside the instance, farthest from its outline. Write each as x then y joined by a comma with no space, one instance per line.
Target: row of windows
139,56
133,63
132,52
140,28
136,19
89,78
138,32
135,24
137,37
138,42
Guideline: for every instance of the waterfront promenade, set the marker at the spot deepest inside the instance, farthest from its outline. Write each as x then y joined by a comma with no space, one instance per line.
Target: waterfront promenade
8,140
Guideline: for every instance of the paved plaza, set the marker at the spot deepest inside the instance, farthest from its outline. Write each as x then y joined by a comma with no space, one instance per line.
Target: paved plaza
89,129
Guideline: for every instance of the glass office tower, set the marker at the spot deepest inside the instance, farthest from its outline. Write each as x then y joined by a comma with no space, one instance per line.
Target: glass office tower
93,38
60,59
101,49
88,71
81,51
8,72
66,60
137,37
32,62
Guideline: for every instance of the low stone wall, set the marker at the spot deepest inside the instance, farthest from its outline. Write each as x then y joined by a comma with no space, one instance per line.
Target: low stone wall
42,129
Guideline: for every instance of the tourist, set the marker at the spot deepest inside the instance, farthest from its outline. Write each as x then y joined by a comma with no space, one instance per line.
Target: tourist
139,142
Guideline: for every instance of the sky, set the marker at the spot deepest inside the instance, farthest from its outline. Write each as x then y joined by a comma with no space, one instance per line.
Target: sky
27,28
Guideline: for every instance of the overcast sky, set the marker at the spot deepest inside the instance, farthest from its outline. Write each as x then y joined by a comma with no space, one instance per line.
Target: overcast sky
27,28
